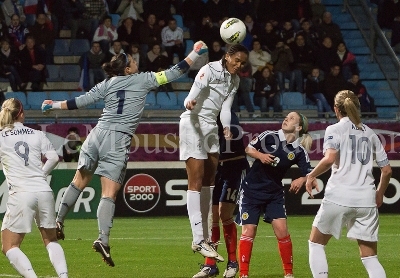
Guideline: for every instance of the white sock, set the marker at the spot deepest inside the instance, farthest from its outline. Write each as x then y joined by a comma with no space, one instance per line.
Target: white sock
57,258
373,267
317,260
20,262
206,209
194,212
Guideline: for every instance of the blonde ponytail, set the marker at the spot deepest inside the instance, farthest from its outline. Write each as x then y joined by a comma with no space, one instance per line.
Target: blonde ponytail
349,106
10,111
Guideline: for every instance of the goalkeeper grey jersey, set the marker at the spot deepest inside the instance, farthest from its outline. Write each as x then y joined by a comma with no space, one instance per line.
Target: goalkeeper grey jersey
124,98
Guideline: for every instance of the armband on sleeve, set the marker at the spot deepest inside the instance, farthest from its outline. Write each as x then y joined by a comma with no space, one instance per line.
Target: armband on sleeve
161,78
71,104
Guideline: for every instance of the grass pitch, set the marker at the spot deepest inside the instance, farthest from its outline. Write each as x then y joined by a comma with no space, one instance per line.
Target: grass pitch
160,247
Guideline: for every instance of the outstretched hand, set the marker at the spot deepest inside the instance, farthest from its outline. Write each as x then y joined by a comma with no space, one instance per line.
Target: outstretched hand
47,106
200,48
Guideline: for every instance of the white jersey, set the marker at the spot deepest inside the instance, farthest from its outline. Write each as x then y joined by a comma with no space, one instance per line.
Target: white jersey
352,183
21,150
214,89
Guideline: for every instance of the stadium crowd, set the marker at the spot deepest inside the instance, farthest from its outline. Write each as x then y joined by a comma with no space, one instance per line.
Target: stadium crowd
289,37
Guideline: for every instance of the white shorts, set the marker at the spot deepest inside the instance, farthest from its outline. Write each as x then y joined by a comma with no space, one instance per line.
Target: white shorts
197,138
361,223
23,207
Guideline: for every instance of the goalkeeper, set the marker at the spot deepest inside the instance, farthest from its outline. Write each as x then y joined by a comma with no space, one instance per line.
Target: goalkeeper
105,151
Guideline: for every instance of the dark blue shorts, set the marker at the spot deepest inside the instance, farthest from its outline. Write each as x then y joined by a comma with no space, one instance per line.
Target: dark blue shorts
227,180
251,209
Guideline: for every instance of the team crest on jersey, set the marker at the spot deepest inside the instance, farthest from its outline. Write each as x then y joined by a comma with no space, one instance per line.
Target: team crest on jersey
201,76
245,215
330,137
290,156
255,140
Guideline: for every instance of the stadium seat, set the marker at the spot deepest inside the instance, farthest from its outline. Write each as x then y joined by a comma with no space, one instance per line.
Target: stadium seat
54,73
59,96
77,94
61,47
70,73
79,46
151,101
189,46
115,19
20,96
181,98
293,100
168,101
35,99
179,21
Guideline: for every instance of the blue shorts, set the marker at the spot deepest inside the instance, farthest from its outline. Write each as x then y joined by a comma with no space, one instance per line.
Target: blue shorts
251,209
227,180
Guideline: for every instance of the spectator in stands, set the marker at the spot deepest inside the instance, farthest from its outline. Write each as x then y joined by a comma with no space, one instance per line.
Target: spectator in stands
196,66
315,93
33,65
149,34
266,92
72,148
217,9
95,10
270,11
4,35
287,33
91,62
367,103
303,56
310,36
282,59
128,32
44,35
17,32
192,13
334,82
349,65
258,58
156,61
241,8
216,52
296,11
9,65
160,8
172,40
207,31
131,9
134,52
327,57
269,37
329,29
116,48
389,17
253,28
32,8
73,18
105,34
318,9
243,94
10,7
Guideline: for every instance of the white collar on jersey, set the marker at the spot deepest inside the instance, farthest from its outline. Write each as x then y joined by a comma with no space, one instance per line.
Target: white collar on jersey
282,138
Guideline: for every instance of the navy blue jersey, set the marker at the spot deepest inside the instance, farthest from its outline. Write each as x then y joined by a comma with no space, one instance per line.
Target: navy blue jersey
235,146
264,179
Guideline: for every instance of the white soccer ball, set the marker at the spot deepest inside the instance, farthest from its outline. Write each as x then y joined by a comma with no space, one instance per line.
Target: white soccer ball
233,31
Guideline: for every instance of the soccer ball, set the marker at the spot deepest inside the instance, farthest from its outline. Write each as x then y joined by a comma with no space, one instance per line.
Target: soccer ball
233,31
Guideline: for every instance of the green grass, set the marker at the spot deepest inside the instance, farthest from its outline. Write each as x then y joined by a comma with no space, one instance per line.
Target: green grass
160,247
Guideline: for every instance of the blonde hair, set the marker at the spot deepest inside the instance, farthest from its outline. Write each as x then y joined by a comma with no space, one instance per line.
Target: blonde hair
349,106
306,140
10,111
